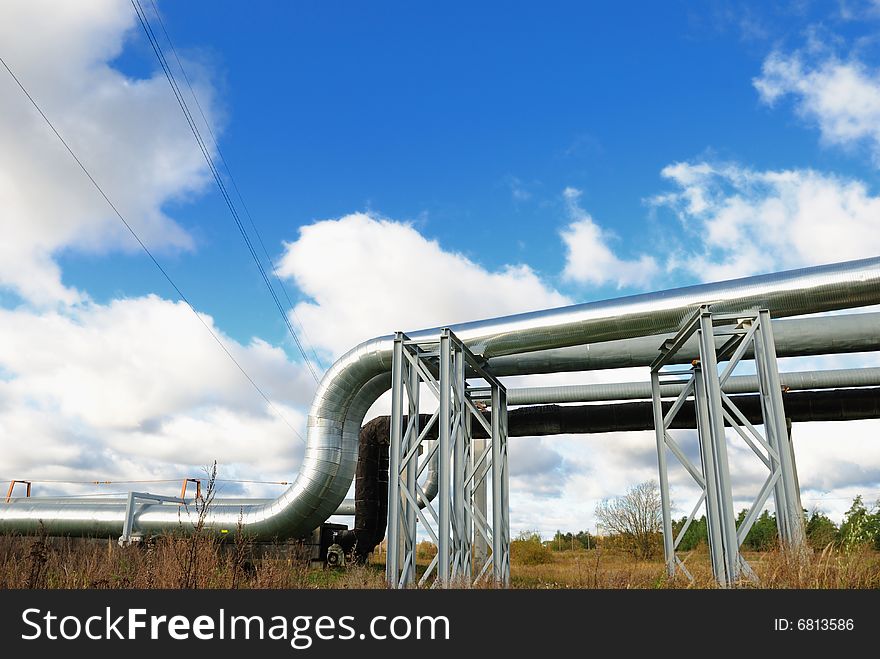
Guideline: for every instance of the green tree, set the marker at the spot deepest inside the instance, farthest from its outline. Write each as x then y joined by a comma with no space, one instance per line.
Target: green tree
528,549
561,541
696,534
763,535
821,531
861,526
568,541
586,540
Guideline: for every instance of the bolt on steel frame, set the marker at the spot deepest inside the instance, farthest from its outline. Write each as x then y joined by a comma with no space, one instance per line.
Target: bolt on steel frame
459,522
704,383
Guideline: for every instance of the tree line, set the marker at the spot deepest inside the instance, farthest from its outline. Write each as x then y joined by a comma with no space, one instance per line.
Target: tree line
860,527
633,523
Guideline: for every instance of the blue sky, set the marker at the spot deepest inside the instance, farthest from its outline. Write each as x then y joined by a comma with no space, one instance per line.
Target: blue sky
468,121
499,157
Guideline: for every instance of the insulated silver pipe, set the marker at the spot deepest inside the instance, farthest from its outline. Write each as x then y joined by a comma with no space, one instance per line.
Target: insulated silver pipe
795,337
739,384
118,499
589,393
354,382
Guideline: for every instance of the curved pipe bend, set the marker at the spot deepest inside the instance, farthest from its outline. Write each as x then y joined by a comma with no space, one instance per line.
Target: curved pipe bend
360,376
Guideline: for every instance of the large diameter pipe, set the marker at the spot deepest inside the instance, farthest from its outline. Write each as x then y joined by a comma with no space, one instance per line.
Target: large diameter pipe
738,384
523,422
834,405
795,337
800,406
360,376
590,393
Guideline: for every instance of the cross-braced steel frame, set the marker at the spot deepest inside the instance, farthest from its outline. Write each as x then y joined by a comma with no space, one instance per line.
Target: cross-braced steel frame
704,383
457,519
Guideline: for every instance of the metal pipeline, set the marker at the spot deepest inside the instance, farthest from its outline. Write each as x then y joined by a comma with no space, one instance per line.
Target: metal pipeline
360,376
371,486
738,384
800,406
588,393
794,337
370,492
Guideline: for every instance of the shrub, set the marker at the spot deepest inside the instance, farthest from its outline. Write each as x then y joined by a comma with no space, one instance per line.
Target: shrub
528,549
426,549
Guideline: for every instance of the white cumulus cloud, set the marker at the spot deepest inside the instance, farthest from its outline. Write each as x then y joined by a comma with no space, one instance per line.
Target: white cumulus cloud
135,388
129,133
589,257
368,276
740,221
840,96
138,387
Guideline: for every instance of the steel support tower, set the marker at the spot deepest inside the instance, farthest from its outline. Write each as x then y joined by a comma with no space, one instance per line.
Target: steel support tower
471,509
704,383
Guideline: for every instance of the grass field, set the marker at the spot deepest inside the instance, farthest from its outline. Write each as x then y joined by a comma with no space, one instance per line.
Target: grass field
199,562
593,569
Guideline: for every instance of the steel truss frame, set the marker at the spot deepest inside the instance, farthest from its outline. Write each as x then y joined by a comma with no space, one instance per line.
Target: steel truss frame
457,520
704,383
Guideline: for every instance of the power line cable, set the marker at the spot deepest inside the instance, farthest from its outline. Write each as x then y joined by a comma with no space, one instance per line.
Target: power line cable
169,75
864,496
235,187
147,251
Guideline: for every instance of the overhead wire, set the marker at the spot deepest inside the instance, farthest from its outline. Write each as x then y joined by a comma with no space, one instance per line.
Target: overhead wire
147,251
216,144
864,497
172,81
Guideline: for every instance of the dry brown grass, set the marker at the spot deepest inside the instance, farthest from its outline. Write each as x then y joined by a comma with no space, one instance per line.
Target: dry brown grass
826,569
176,561
172,561
603,569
